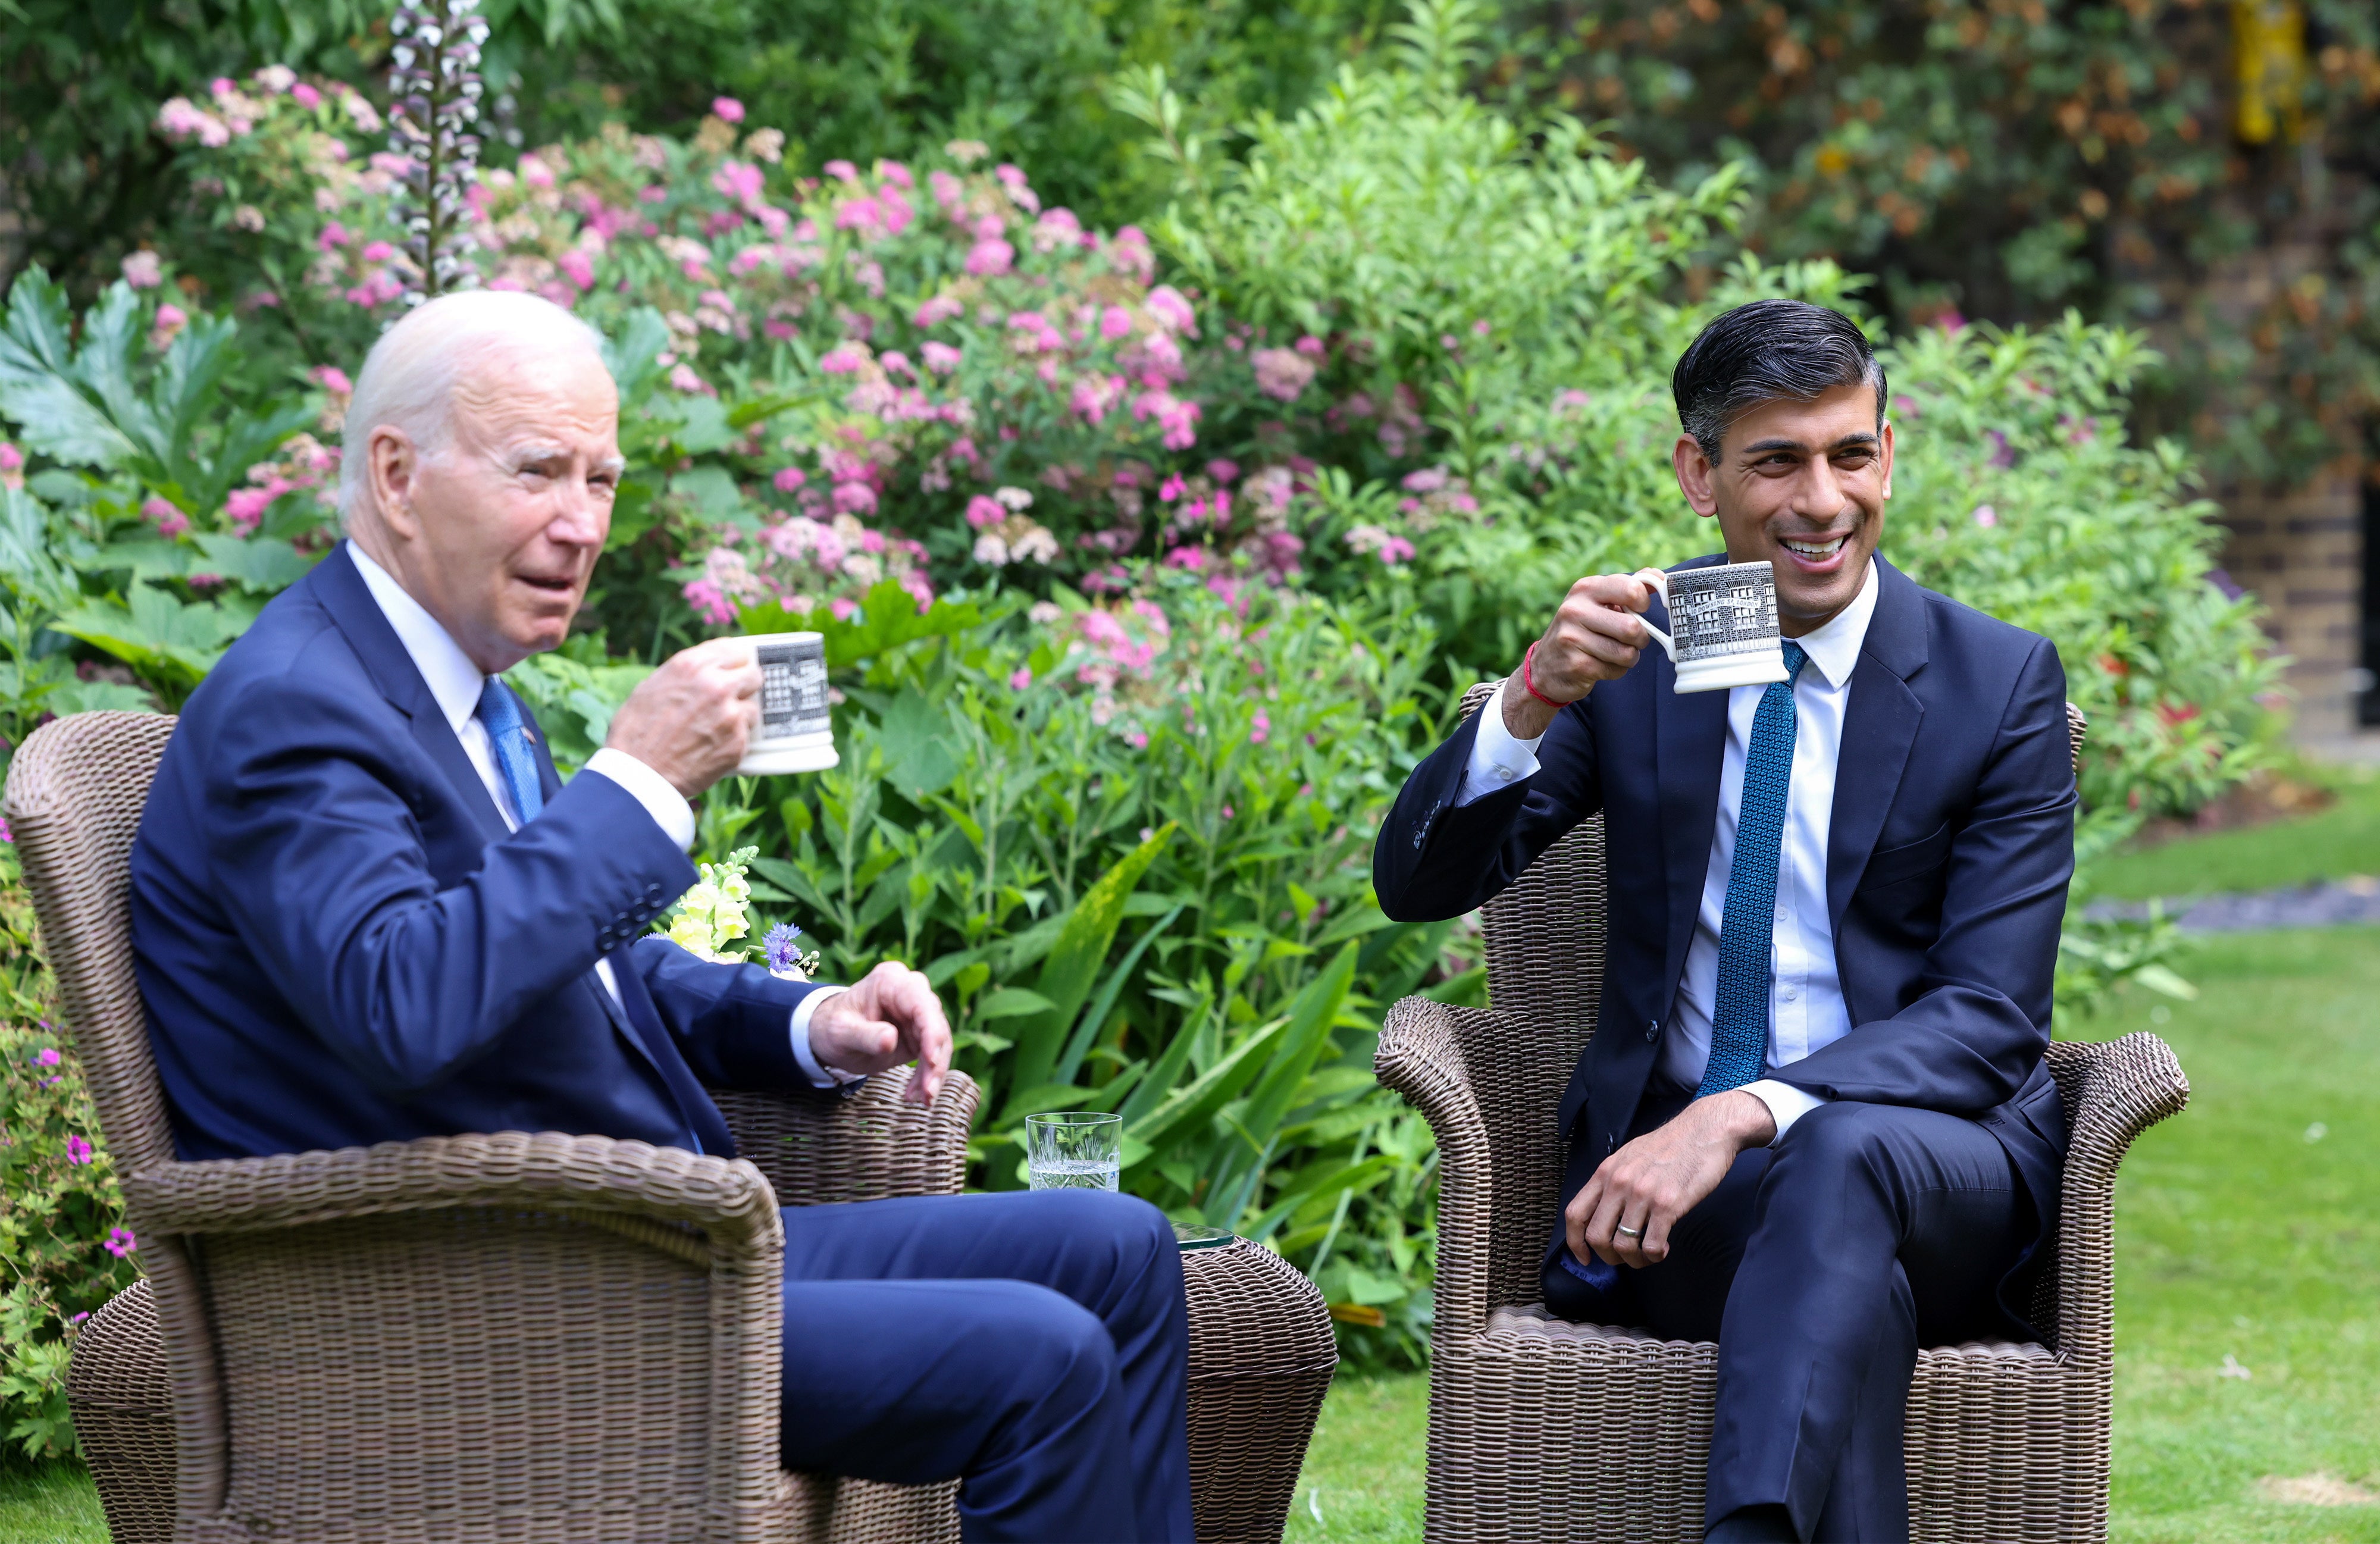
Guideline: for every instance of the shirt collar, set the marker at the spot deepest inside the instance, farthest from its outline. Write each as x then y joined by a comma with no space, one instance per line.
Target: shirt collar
1834,649
453,680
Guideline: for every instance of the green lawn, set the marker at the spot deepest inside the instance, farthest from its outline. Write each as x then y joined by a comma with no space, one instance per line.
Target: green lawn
2342,840
2245,1228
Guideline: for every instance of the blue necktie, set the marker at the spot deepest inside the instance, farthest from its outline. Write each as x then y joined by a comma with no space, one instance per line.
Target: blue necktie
510,735
1739,1042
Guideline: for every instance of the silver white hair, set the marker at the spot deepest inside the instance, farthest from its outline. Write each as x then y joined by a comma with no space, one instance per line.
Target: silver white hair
408,379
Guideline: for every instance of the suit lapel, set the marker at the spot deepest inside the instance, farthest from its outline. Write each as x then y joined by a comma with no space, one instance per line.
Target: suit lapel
1880,722
349,603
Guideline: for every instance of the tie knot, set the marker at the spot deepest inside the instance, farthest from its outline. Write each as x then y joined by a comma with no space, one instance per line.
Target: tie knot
1795,658
497,709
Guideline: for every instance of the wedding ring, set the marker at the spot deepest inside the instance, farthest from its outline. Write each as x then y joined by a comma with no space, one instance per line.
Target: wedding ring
1629,1232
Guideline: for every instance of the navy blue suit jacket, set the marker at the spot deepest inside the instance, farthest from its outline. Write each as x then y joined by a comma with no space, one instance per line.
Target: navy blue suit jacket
339,944
1951,844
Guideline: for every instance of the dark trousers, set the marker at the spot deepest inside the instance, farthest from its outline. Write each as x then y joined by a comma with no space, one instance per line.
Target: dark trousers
1820,1266
1034,1345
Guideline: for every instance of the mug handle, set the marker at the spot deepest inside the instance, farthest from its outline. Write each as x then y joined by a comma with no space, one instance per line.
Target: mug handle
1661,582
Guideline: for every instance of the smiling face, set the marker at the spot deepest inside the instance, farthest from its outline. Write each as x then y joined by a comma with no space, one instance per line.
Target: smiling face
1801,485
496,532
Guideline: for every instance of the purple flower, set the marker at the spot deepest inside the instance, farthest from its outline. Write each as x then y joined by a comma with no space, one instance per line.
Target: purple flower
120,1242
77,1150
779,947
46,1057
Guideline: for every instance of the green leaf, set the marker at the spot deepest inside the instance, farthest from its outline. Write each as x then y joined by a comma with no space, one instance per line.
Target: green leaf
1070,1061
2158,977
711,491
916,736
271,566
1188,1110
1012,1003
1072,968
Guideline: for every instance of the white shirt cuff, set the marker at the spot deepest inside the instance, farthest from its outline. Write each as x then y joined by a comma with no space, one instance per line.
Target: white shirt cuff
805,1055
1786,1103
664,804
1498,761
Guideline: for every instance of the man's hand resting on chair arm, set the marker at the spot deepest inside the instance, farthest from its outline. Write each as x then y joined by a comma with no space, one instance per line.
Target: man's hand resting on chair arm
689,720
1660,1176
1593,636
890,1016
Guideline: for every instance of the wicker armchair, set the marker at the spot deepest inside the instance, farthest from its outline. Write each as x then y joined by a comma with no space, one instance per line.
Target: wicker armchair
514,1337
1529,1413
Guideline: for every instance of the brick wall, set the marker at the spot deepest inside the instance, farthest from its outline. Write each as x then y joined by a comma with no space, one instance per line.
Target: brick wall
2301,552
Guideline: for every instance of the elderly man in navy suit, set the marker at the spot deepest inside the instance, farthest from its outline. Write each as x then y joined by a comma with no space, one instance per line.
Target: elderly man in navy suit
1814,1124
365,909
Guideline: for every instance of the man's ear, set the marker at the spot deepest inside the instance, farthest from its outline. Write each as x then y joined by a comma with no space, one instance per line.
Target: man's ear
1888,458
1694,475
393,468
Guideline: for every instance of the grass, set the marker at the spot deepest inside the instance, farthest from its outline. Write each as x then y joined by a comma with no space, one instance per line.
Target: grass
2340,841
2244,1229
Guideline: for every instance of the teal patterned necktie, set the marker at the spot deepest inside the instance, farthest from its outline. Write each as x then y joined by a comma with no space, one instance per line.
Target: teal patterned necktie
1739,1040
509,733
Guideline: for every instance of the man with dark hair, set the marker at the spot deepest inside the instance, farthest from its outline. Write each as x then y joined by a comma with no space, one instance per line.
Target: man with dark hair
1814,1124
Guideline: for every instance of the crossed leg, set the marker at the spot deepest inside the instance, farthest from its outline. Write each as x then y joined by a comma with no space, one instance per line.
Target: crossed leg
1033,1345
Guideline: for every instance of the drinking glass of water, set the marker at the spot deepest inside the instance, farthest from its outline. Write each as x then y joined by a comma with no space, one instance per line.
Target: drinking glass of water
1074,1149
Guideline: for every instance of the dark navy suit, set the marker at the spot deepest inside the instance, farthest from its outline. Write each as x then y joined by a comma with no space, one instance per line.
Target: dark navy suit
1948,853
340,942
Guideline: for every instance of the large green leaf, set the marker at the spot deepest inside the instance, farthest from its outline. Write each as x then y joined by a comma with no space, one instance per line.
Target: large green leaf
915,734
1187,1112
263,564
887,619
172,644
1072,967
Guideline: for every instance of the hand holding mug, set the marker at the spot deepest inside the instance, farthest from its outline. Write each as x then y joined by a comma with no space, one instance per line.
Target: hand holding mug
689,720
1595,634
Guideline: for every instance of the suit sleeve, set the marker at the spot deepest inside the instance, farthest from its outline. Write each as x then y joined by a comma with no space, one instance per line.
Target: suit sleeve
1978,1022
320,857
1435,860
735,1023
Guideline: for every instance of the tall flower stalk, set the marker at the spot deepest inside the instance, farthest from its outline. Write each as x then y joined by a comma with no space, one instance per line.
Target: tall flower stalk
435,91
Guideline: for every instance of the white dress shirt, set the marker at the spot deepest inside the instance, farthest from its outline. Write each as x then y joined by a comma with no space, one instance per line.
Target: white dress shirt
455,683
1805,997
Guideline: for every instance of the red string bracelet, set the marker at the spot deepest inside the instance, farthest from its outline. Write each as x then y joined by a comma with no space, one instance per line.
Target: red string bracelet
1530,686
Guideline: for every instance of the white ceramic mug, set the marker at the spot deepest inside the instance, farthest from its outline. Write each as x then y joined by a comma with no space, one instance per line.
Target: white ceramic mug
794,732
1724,619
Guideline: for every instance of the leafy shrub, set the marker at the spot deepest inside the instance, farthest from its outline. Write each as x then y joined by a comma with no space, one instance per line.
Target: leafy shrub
64,1250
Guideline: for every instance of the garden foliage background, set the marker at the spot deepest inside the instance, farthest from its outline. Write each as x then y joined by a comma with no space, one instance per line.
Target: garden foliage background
1151,555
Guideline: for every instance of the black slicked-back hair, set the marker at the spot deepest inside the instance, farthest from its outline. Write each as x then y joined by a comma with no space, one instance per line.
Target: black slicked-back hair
1767,351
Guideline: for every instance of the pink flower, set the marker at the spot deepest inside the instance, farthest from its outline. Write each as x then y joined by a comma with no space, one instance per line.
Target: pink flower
381,251
120,1242
142,270
1395,550
896,173
1986,517
1166,304
683,378
1283,372
1310,347
1115,322
171,522
1227,811
46,1057
1224,471
1022,678
1172,488
306,96
842,171
940,358
331,378
11,458
246,507
983,512
990,256
740,180
854,498
334,236
1263,729
790,478
843,608
1191,558
709,602
843,360
77,1150
940,309
727,108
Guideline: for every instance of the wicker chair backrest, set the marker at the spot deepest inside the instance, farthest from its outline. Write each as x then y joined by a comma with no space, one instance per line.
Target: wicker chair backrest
76,790
1544,943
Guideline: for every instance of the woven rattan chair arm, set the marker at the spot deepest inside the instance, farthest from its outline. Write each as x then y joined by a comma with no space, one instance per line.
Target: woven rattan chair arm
871,1147
727,1200
1420,1056
2113,1092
